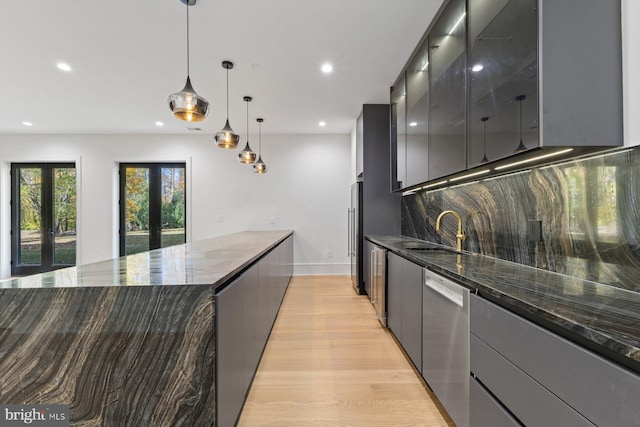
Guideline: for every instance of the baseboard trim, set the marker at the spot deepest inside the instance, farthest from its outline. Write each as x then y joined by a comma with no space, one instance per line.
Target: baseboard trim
319,269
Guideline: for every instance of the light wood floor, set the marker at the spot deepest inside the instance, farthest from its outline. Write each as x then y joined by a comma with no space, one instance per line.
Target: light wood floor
329,362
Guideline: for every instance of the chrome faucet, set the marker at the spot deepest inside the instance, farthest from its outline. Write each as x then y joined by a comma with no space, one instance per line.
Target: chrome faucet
460,236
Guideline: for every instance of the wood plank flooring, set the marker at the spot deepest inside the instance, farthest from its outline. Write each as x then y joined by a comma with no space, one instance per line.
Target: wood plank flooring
329,362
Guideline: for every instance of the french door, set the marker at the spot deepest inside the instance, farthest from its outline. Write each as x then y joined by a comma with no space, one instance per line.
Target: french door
152,206
43,217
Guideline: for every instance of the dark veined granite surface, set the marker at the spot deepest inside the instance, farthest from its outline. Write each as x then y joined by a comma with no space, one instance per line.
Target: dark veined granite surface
129,356
127,342
588,210
600,317
204,262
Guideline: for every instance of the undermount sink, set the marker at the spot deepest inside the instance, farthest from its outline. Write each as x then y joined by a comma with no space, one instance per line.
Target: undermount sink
427,247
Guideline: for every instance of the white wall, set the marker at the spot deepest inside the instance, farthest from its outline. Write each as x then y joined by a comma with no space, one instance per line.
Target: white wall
307,189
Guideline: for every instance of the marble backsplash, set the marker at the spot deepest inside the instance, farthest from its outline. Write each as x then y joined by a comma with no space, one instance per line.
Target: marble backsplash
580,218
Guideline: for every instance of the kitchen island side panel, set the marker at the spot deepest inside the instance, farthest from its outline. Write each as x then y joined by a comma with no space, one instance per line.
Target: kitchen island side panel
125,356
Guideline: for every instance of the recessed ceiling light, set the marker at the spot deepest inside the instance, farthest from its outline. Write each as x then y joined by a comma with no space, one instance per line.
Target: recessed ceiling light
327,68
477,67
63,66
413,124
159,124
27,123
322,124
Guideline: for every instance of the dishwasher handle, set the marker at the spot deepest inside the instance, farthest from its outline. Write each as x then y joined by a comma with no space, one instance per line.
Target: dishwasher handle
449,290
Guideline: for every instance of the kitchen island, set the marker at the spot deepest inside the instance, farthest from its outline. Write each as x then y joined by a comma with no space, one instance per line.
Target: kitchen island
139,340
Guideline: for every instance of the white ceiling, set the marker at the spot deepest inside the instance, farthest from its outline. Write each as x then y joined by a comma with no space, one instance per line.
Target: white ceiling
128,56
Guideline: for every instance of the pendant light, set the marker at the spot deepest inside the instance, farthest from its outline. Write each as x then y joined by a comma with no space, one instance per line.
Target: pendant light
247,155
227,138
260,166
187,104
521,147
484,140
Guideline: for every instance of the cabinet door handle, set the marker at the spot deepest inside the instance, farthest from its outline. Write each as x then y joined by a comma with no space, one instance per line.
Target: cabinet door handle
374,282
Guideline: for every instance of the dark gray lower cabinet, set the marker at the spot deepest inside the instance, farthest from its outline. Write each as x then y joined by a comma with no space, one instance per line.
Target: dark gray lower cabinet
245,312
485,411
231,341
404,305
544,379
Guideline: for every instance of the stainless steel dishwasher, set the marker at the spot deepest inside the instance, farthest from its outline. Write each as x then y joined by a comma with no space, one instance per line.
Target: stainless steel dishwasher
445,343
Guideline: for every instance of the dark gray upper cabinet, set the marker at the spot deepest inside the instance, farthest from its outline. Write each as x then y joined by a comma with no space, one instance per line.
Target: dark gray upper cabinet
503,79
417,100
380,207
512,84
399,134
447,111
359,147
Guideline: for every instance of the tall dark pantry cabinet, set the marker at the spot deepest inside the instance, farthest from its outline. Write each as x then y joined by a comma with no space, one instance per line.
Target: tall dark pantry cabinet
379,208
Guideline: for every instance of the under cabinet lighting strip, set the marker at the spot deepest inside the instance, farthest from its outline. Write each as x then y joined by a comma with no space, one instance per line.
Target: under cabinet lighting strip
533,159
458,178
457,23
435,184
573,160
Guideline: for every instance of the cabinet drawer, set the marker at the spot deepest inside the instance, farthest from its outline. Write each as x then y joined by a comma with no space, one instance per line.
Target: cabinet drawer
530,402
603,392
485,411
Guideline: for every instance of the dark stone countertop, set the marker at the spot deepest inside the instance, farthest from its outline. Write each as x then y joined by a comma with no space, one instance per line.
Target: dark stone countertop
203,262
599,317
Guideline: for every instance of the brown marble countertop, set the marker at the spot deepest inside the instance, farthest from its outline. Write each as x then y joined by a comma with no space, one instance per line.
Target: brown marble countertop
204,262
600,317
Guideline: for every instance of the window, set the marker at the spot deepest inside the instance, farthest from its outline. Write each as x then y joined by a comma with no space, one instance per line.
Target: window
43,217
152,206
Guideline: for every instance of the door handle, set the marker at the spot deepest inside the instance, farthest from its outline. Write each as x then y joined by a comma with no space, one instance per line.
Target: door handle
349,225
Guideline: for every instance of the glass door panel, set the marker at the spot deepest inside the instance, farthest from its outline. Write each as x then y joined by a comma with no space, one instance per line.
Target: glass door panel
136,207
43,217
30,217
152,206
173,206
64,216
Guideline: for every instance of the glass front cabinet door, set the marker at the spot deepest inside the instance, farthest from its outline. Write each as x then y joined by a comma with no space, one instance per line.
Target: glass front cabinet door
417,116
503,79
399,134
447,95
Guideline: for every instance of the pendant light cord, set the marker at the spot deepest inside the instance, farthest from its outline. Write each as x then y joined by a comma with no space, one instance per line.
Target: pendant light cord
247,122
228,94
260,140
187,4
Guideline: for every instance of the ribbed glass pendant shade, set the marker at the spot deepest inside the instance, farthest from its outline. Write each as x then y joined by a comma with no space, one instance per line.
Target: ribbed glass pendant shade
260,166
188,105
247,155
227,138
